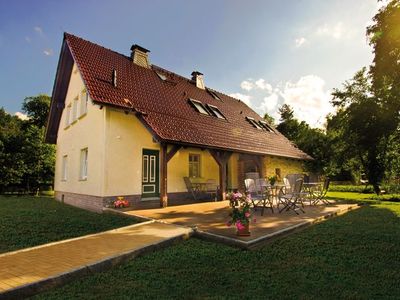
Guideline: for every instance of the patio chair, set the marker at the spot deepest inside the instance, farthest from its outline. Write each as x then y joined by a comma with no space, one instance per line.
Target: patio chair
211,188
319,195
293,199
260,198
190,188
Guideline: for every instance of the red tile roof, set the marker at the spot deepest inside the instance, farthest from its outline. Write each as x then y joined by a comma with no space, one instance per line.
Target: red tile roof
165,106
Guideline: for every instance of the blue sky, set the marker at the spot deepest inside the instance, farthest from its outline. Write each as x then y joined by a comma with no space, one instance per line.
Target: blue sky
265,52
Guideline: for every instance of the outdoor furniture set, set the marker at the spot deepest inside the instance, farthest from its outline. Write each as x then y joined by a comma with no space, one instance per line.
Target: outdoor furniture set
291,195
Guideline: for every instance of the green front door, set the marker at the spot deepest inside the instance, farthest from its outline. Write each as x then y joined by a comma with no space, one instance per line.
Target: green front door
150,173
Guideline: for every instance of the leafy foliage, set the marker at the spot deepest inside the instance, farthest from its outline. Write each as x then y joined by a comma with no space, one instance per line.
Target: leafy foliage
25,160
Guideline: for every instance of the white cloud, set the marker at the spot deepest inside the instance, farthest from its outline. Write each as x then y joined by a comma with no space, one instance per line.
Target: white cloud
39,30
28,39
244,98
309,99
48,52
300,42
263,85
269,103
336,31
247,85
22,116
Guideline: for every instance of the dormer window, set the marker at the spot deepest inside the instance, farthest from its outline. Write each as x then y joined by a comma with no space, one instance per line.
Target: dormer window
215,111
199,107
215,96
266,126
253,122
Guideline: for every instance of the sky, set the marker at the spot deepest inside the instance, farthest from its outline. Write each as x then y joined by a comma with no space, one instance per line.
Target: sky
266,53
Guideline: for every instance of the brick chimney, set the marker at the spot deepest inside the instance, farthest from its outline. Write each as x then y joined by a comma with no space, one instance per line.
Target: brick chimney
198,79
140,56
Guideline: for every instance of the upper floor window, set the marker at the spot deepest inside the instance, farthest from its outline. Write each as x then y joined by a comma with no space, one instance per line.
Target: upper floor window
68,115
214,94
75,110
253,122
84,102
194,165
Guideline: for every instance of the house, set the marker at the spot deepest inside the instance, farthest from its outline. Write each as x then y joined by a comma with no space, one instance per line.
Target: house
125,127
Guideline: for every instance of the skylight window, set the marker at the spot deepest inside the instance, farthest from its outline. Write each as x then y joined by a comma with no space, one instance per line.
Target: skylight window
212,93
216,112
161,76
199,107
254,123
266,126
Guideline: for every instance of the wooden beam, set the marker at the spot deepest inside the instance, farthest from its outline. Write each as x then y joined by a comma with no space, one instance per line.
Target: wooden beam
221,157
173,151
163,175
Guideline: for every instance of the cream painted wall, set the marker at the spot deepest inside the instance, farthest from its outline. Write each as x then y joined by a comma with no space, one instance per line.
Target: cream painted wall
126,137
86,132
233,171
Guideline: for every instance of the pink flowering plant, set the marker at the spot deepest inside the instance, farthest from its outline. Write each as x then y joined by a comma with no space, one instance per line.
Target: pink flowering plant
121,202
241,212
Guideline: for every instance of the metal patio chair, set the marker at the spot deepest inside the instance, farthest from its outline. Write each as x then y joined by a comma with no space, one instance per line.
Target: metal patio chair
319,194
292,200
259,195
191,188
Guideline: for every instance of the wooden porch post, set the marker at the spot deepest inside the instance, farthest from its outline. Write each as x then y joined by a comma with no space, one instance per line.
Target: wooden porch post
165,157
221,157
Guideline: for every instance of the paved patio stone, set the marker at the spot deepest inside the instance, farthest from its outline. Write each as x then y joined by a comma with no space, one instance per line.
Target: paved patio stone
22,270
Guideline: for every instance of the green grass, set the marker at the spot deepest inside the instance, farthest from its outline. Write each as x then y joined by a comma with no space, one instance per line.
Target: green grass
353,256
30,221
364,198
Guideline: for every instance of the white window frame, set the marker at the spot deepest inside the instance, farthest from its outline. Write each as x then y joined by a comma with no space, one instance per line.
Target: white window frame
84,98
83,170
75,109
64,168
68,115
194,162
199,107
216,112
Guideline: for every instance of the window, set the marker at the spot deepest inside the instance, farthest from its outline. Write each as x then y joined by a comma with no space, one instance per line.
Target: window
253,122
199,107
216,112
64,169
214,94
75,110
161,76
68,115
84,164
266,126
84,103
194,165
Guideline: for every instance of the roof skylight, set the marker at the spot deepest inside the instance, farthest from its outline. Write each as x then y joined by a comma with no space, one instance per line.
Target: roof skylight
266,126
212,93
199,107
162,76
253,122
215,111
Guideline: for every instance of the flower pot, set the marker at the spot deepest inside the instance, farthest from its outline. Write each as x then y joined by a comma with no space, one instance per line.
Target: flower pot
243,231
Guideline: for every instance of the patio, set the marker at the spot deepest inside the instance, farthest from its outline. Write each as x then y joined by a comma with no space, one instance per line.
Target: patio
209,220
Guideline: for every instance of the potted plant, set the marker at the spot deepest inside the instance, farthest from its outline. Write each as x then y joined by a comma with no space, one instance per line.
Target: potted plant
272,179
240,215
121,202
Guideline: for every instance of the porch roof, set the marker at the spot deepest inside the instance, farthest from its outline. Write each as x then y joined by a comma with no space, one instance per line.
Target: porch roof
162,105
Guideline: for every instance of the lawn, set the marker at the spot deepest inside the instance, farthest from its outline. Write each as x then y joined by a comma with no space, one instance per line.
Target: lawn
356,256
30,221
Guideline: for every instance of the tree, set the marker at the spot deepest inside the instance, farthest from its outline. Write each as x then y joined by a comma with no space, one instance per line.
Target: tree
37,109
269,119
365,124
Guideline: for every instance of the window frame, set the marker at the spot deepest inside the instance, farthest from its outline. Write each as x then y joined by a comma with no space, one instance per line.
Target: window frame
75,109
266,126
191,163
84,99
214,95
253,122
216,112
83,168
64,168
68,116
194,102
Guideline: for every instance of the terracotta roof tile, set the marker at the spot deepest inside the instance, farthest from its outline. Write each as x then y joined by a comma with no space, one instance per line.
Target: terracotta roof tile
166,107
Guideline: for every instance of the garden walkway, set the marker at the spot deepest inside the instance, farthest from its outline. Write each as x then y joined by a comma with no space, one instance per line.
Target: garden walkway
29,271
